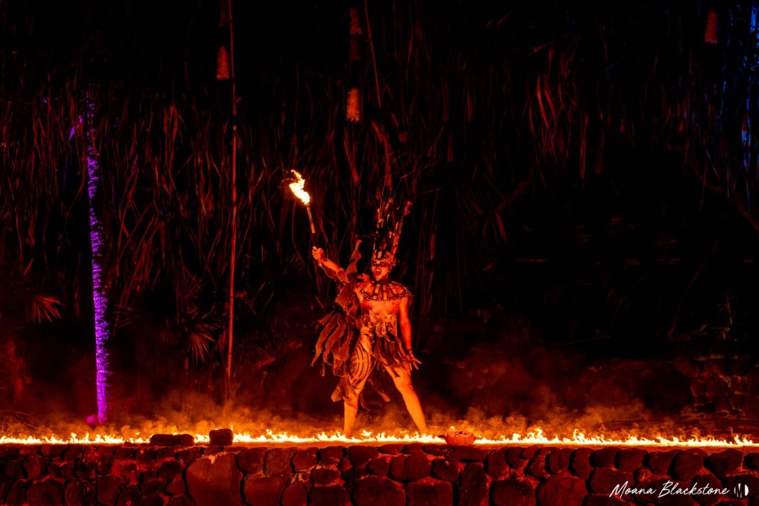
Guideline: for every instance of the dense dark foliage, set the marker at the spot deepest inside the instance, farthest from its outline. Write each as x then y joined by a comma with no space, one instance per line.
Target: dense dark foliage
582,166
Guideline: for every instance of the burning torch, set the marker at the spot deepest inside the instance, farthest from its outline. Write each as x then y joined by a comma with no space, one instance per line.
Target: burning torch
297,188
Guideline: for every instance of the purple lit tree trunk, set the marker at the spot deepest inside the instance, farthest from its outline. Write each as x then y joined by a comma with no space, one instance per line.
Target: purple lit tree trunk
99,296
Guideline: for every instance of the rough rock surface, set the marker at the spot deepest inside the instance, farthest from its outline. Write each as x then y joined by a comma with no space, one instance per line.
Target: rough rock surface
411,474
215,480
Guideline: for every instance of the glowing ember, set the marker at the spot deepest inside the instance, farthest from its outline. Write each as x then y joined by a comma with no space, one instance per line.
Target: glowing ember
531,438
297,188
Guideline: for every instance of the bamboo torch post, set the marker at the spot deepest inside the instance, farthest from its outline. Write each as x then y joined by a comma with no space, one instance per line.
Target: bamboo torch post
310,219
222,74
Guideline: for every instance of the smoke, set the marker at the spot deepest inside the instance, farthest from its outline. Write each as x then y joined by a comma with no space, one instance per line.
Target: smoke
184,411
485,391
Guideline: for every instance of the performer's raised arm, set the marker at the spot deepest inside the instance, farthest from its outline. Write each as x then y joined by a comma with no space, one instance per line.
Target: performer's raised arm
330,268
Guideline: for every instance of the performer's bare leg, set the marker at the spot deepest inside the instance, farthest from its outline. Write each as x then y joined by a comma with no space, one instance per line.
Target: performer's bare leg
402,379
350,410
360,367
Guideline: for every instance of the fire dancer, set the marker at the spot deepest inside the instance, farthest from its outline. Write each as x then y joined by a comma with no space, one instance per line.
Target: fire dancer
369,329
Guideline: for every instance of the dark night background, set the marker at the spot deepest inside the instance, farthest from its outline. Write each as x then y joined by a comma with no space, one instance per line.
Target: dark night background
582,177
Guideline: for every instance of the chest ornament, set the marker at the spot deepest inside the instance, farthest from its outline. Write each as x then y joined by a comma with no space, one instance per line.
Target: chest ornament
384,291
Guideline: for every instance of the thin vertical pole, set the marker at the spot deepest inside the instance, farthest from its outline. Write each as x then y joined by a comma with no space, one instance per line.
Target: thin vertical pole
233,178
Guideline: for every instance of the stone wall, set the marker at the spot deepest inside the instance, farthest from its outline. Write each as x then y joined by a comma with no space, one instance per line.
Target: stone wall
413,474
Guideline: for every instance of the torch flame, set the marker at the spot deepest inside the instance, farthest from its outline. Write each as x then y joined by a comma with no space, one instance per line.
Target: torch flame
535,436
297,188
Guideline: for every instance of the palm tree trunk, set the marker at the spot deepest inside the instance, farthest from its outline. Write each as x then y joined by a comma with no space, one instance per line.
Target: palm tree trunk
99,295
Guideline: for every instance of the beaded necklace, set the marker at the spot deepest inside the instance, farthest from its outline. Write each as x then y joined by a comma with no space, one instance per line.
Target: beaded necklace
384,291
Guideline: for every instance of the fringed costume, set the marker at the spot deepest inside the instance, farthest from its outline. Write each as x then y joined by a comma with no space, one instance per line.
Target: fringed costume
340,327
355,343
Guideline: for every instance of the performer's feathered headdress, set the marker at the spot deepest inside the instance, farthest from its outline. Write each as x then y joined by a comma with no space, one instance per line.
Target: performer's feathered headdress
389,224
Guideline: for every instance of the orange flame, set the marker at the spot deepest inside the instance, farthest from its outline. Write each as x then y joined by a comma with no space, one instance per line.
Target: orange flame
297,188
580,439
534,437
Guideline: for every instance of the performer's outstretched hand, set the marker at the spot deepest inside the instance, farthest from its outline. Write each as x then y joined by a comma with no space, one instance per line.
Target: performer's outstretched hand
415,362
318,253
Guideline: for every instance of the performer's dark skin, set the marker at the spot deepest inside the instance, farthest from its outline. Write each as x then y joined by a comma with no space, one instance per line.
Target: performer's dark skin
378,301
